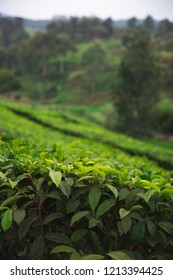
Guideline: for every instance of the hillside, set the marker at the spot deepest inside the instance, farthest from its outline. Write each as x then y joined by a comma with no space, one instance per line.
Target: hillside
72,189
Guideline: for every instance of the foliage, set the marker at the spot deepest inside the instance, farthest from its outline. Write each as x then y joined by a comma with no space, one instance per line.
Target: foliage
136,90
66,197
8,81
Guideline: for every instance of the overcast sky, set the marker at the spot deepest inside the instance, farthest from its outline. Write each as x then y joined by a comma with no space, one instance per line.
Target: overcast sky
117,9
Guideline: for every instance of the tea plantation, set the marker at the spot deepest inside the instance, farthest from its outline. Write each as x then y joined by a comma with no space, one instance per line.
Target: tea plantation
70,189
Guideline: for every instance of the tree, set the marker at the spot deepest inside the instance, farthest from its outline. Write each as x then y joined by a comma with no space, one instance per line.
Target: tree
93,63
8,81
132,23
137,84
149,23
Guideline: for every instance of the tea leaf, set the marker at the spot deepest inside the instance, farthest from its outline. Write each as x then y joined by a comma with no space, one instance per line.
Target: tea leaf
94,197
105,206
7,219
56,177
76,217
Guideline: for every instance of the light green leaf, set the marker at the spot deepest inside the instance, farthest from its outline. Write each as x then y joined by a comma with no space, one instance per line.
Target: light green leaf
11,200
76,217
64,187
120,255
123,212
149,194
94,197
126,223
63,249
18,216
56,177
112,189
7,219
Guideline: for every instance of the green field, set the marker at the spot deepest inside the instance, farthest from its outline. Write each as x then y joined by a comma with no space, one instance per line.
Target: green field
70,189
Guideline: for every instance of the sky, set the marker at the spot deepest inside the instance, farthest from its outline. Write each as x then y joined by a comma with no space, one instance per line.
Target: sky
117,9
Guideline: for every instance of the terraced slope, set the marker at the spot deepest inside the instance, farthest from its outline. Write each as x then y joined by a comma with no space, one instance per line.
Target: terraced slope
71,189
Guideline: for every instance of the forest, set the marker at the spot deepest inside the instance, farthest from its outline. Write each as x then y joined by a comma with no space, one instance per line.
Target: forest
86,131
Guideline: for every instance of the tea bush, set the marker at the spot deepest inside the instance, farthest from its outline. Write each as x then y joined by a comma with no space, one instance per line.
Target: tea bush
67,199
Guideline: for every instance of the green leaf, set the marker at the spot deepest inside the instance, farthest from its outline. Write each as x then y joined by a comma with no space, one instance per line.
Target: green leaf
166,226
69,181
105,206
138,232
56,177
63,249
123,193
66,190
13,184
78,234
3,176
76,217
37,248
72,205
112,189
96,242
93,222
149,194
52,216
120,255
11,200
93,257
94,197
126,223
7,219
18,216
25,225
58,237
87,178
123,212
75,256
54,194
151,227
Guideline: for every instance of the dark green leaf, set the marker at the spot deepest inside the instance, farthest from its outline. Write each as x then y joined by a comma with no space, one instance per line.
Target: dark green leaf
72,205
151,227
123,193
25,225
138,232
37,248
58,237
78,234
76,217
94,197
52,216
93,257
105,206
